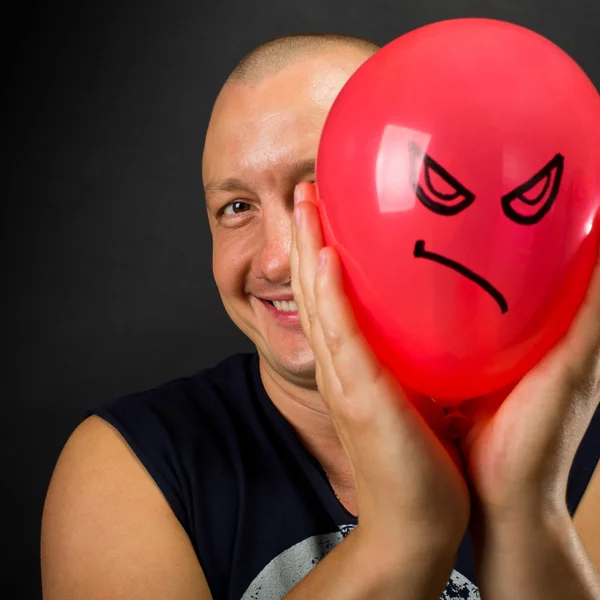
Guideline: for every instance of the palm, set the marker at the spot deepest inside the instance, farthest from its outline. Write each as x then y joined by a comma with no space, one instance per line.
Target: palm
521,434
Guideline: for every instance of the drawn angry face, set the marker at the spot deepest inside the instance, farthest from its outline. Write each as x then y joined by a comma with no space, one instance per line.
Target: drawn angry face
526,204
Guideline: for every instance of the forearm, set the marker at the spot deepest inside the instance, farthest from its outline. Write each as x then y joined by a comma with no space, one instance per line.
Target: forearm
355,570
534,558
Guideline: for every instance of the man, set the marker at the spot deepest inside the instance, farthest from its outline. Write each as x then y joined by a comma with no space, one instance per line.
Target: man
245,481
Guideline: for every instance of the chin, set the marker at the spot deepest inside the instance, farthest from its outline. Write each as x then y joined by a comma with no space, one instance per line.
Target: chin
300,363
294,363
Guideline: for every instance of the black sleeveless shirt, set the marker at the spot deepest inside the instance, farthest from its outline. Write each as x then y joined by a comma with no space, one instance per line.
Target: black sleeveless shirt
257,506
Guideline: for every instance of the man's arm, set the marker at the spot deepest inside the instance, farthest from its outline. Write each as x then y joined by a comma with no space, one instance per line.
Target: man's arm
108,532
541,553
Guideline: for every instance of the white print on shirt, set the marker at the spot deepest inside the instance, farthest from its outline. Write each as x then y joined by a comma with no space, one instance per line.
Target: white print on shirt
292,565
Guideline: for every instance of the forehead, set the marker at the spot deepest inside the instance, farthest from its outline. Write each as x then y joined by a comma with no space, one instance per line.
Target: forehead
260,128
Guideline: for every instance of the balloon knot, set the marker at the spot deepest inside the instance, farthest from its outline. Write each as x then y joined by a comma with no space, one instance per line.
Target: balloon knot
454,424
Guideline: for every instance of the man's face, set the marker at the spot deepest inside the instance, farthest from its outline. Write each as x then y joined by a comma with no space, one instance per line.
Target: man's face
261,142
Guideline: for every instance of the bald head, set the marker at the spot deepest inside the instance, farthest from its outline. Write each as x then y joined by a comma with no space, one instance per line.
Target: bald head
273,56
282,83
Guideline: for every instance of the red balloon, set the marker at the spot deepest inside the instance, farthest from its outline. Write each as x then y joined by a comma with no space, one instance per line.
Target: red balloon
458,177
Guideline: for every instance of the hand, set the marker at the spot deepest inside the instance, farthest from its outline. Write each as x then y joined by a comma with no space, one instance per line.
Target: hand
411,496
521,448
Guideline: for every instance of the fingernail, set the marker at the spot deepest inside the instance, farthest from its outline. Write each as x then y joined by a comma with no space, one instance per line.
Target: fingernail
297,195
322,259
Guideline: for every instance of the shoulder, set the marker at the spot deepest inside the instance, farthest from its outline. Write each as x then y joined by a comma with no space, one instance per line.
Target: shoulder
173,427
95,521
136,460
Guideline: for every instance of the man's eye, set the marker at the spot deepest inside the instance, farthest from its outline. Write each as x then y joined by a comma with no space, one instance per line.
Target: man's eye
235,208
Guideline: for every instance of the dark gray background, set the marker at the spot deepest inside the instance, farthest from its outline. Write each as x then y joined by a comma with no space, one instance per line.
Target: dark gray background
106,248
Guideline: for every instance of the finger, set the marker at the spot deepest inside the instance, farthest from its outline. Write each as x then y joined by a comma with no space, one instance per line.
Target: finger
303,286
309,240
343,339
304,192
296,287
307,192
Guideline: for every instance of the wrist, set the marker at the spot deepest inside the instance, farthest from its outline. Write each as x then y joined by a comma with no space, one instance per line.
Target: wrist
415,556
358,569
542,518
541,507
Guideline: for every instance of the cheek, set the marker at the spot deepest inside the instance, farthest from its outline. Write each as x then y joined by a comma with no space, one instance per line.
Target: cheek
232,257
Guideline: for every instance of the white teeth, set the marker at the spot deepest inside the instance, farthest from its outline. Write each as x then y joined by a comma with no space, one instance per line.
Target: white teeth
285,306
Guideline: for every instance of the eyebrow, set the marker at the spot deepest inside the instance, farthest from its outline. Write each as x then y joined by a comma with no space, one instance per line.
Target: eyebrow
231,184
294,171
301,168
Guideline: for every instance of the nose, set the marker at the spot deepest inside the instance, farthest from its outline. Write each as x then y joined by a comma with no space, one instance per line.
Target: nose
272,259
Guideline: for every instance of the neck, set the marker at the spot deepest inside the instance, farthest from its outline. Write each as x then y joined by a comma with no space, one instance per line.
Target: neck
306,411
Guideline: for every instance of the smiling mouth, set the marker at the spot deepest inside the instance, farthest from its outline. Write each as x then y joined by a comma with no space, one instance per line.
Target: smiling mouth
420,252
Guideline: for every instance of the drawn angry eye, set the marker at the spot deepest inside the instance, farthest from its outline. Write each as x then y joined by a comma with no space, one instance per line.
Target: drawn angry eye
439,191
528,203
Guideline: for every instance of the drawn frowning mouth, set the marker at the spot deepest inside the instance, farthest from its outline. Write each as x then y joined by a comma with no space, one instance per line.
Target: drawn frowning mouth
420,252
